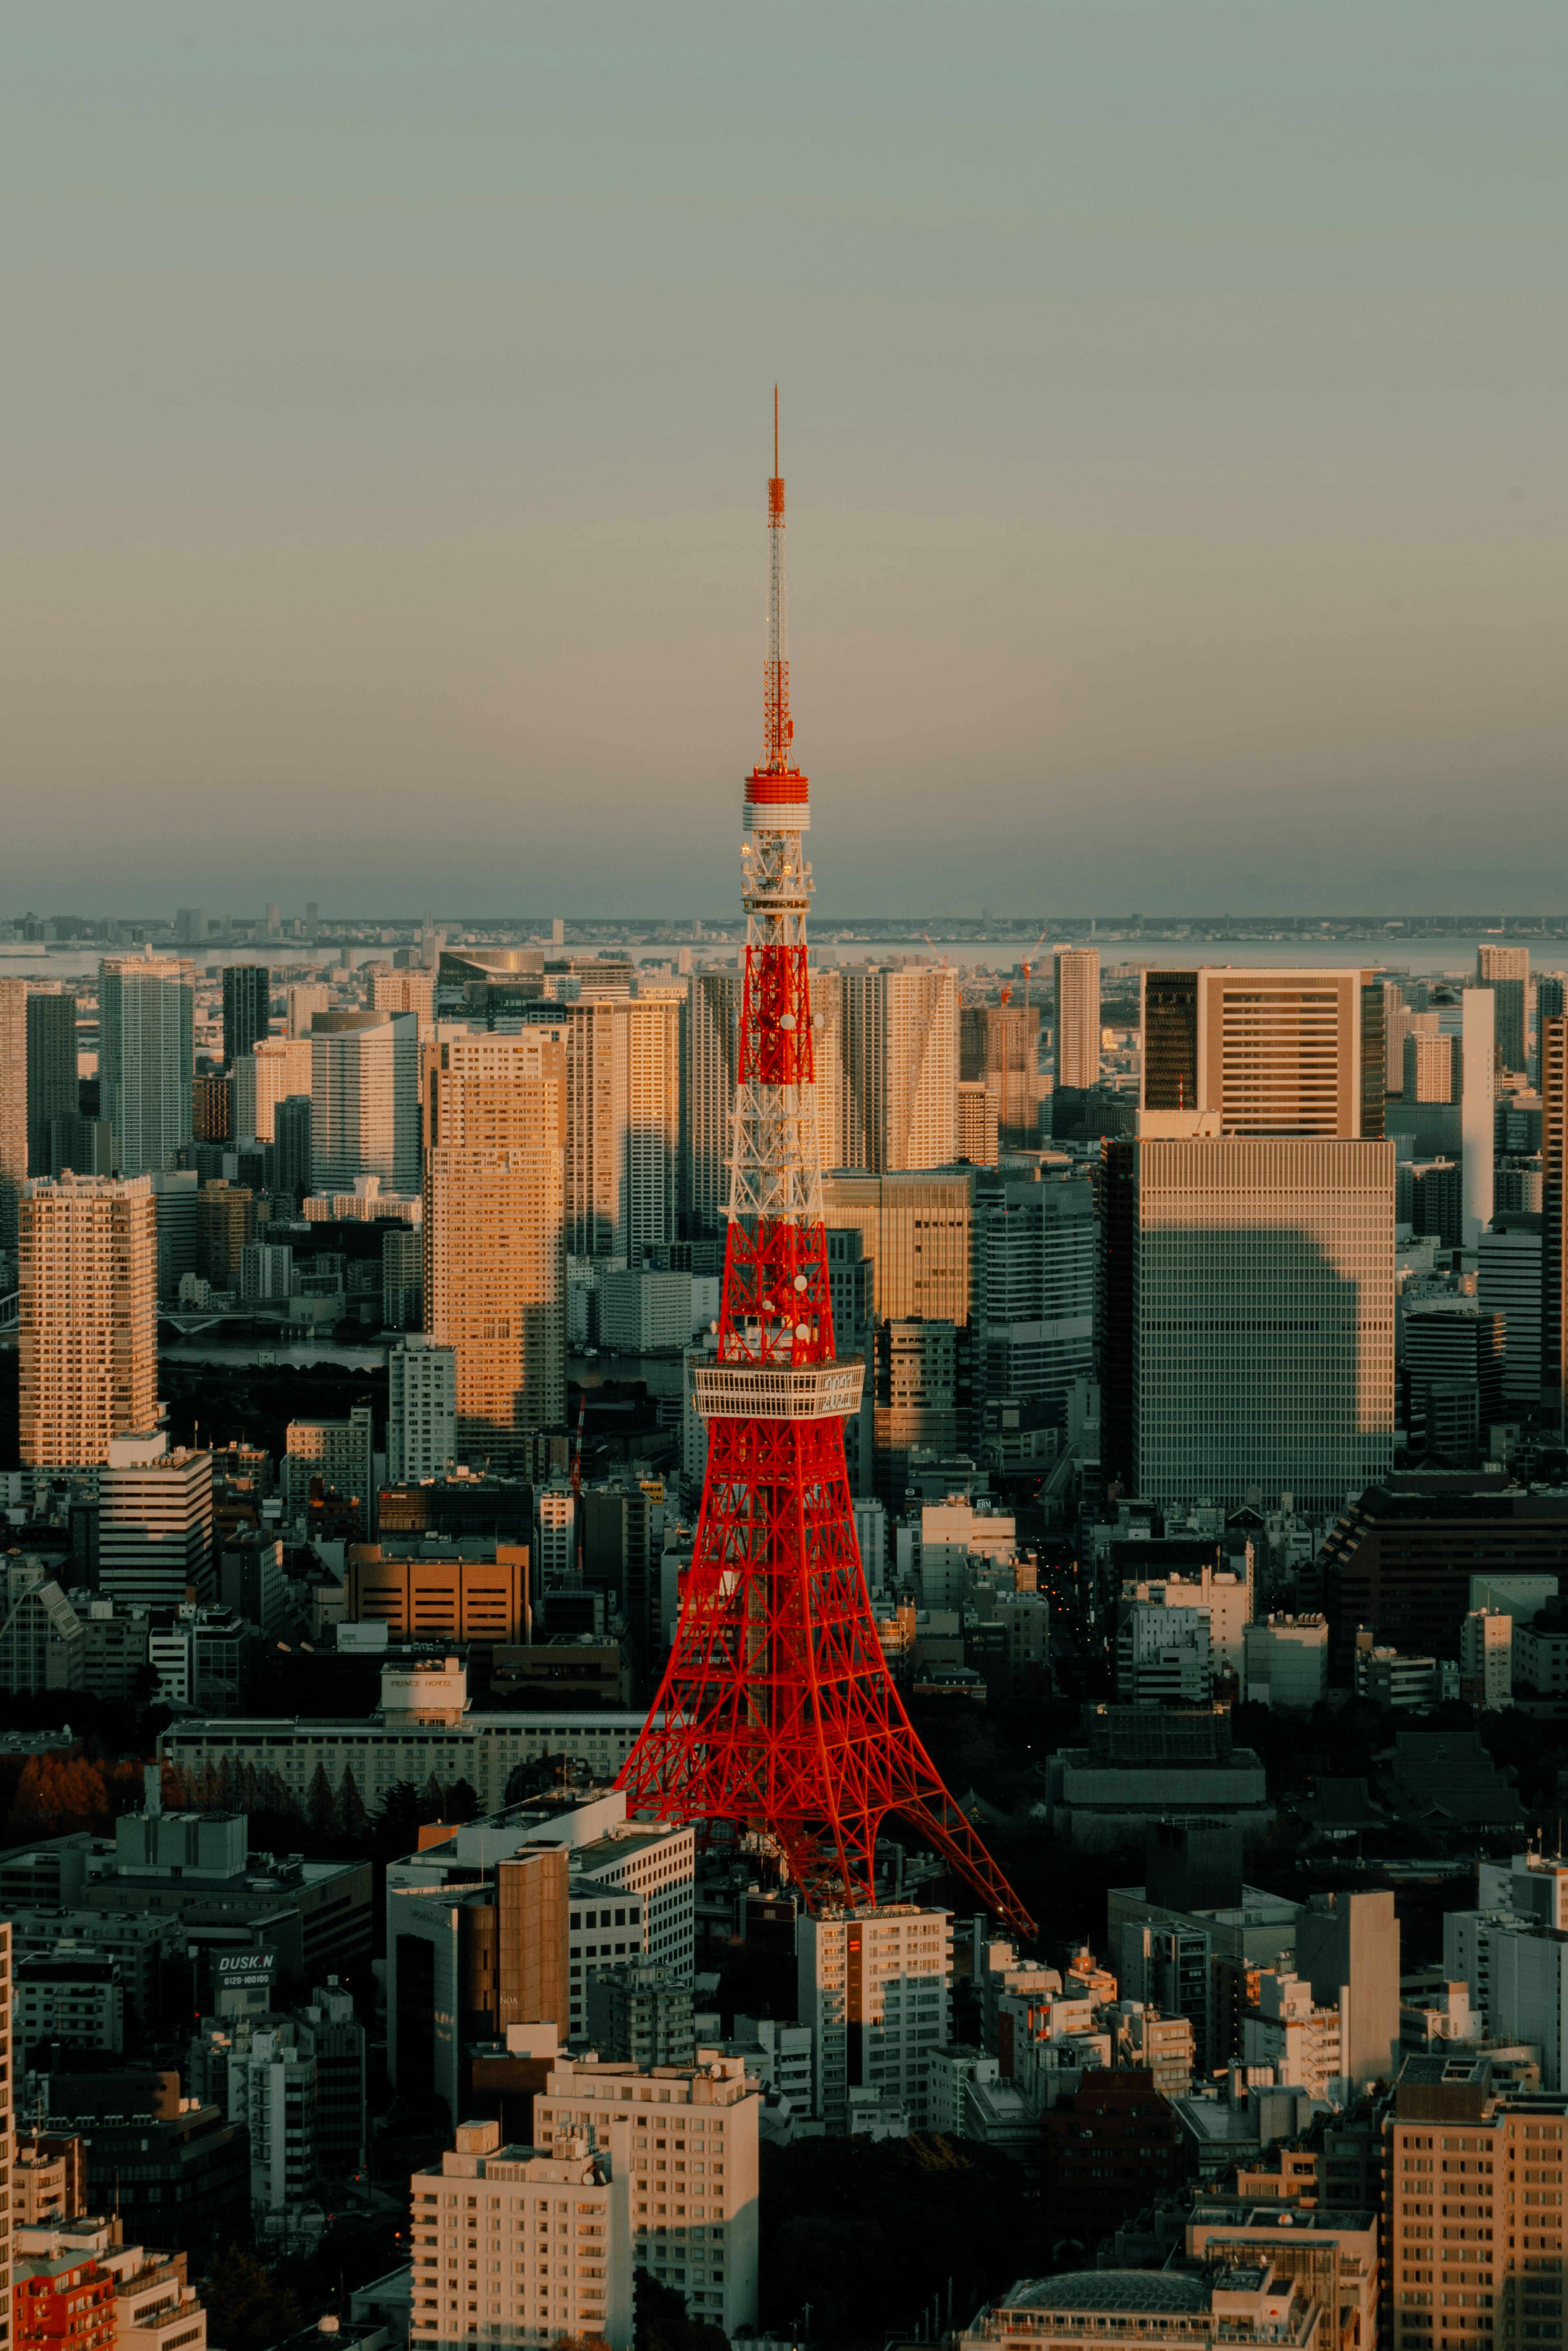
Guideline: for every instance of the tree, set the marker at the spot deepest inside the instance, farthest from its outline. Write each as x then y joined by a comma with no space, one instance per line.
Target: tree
246,2306
661,2324
318,1806
461,1801
349,1818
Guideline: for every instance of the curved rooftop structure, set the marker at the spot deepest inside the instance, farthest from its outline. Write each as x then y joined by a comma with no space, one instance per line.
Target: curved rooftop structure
1137,2290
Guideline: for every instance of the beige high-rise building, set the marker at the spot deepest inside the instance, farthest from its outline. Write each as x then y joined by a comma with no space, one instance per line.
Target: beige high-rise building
623,1138
304,1001
899,1062
917,1228
494,1233
403,991
1473,2209
89,1253
998,1047
274,1068
364,1099
1077,1060
974,1137
12,1104
1272,1053
1429,1072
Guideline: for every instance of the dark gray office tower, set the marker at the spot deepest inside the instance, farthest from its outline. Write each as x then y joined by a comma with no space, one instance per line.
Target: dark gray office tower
851,1277
51,1073
1034,1268
1171,1041
247,1007
291,1147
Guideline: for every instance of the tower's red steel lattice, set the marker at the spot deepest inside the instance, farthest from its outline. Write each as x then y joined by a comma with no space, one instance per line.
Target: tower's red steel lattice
776,1712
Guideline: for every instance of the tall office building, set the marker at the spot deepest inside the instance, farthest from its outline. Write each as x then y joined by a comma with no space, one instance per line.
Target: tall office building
916,1228
1272,1053
1506,971
623,1138
145,1058
88,1254
211,1108
155,1525
1555,1216
12,1104
1477,1108
274,1068
365,1099
422,1410
974,1125
1428,1072
1034,1274
247,1007
1509,1280
52,1091
899,1069
999,1047
1395,1029
1077,1061
1247,1313
494,1234
709,1045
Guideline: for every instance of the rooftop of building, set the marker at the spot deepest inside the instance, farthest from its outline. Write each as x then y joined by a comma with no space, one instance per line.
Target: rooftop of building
1326,2221
1132,2290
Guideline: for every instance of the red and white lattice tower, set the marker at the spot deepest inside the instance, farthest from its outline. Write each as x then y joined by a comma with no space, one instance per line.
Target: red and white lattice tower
777,1713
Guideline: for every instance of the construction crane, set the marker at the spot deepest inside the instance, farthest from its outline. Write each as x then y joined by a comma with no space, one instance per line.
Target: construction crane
1028,962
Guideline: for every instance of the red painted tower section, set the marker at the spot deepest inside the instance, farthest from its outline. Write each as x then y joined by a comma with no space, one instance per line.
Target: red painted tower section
779,1716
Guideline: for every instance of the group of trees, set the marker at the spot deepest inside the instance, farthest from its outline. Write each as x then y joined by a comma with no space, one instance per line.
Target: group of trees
333,1822
65,1791
870,2233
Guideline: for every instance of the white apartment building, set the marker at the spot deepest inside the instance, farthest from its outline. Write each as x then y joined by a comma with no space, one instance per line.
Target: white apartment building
153,2310
1486,1657
556,1519
686,2137
898,1071
516,2247
1286,1661
1218,1593
951,1534
155,1525
1303,2042
949,2073
645,1312
364,1099
271,2090
274,1068
422,1410
1078,1046
1163,1655
876,1988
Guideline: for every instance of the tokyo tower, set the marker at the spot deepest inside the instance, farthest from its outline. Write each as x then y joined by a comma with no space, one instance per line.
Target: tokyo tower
778,1714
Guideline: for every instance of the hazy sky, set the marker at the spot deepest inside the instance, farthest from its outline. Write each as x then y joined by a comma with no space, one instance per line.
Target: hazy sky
1174,401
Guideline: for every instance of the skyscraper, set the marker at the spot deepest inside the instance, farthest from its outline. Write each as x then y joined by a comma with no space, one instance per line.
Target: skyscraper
623,1139
12,1104
1554,1214
1272,1053
709,1065
365,1099
422,1410
274,1068
247,1007
1077,1061
1034,1272
494,1234
291,1147
901,1069
404,991
52,1091
1477,1112
1248,1329
145,1057
999,1047
89,1308
1506,971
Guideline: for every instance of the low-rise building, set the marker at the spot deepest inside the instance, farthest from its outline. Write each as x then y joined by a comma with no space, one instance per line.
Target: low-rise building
1125,2310
876,1988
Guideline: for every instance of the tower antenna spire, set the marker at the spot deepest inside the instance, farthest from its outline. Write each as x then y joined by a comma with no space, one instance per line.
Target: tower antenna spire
776,1715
